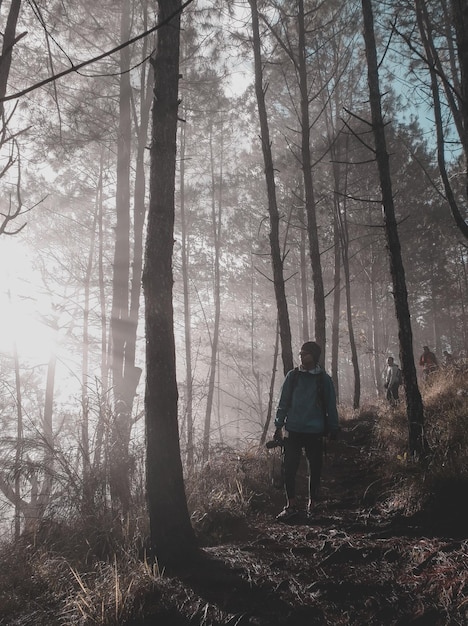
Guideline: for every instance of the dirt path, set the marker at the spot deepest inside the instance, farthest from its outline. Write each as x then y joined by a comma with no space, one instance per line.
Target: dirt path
352,564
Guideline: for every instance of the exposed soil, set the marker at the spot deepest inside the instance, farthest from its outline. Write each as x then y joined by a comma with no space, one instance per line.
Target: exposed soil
355,563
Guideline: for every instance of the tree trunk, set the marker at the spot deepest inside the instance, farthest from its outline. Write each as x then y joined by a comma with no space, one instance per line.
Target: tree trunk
436,333
335,156
344,239
256,372
187,307
19,441
303,279
460,22
171,535
104,391
123,393
414,405
9,39
375,326
433,62
332,107
317,277
462,281
87,491
341,234
276,257
139,208
44,493
216,226
349,313
272,389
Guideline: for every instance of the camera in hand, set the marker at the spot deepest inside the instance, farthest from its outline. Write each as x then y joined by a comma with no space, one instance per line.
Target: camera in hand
273,443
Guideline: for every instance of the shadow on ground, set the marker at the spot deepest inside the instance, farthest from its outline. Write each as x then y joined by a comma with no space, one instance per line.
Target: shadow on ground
354,563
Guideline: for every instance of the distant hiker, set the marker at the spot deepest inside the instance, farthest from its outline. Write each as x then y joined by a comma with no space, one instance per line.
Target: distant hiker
307,411
392,381
428,362
448,359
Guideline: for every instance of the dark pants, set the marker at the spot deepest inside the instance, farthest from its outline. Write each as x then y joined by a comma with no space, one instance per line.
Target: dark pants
293,445
427,372
392,393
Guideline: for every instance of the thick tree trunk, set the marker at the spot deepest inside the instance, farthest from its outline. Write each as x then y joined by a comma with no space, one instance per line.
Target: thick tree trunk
172,537
415,410
276,257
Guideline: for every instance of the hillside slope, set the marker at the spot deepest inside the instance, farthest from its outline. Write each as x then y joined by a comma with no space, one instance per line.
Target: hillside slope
357,562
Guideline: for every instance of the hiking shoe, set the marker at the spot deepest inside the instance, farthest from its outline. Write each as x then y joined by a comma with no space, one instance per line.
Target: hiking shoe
289,512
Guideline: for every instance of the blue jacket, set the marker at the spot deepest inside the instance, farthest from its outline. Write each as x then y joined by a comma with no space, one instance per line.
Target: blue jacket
300,409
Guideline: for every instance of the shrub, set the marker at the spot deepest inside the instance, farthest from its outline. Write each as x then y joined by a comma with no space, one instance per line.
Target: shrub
436,483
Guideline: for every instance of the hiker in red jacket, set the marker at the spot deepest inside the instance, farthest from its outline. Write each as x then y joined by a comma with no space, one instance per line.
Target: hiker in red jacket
428,362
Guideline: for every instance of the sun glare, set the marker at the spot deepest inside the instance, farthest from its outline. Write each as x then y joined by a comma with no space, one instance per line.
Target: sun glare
20,304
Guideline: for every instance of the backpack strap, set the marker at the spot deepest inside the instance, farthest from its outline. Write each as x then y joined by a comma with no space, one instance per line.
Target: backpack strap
294,379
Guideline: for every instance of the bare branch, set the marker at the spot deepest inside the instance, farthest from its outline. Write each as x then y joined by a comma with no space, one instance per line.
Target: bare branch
75,68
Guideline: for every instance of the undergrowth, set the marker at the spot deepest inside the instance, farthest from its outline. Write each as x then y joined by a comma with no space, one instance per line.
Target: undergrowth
74,572
92,571
433,485
223,491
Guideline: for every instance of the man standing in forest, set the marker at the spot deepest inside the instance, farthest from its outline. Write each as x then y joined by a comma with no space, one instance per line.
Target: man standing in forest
307,412
392,381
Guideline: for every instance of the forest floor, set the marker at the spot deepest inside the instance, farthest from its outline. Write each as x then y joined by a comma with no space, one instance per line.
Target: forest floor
358,561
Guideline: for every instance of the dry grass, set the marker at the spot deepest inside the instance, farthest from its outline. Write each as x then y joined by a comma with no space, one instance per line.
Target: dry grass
221,494
90,571
75,575
438,481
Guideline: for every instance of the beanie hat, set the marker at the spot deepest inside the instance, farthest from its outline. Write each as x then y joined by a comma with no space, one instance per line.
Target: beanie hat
312,348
